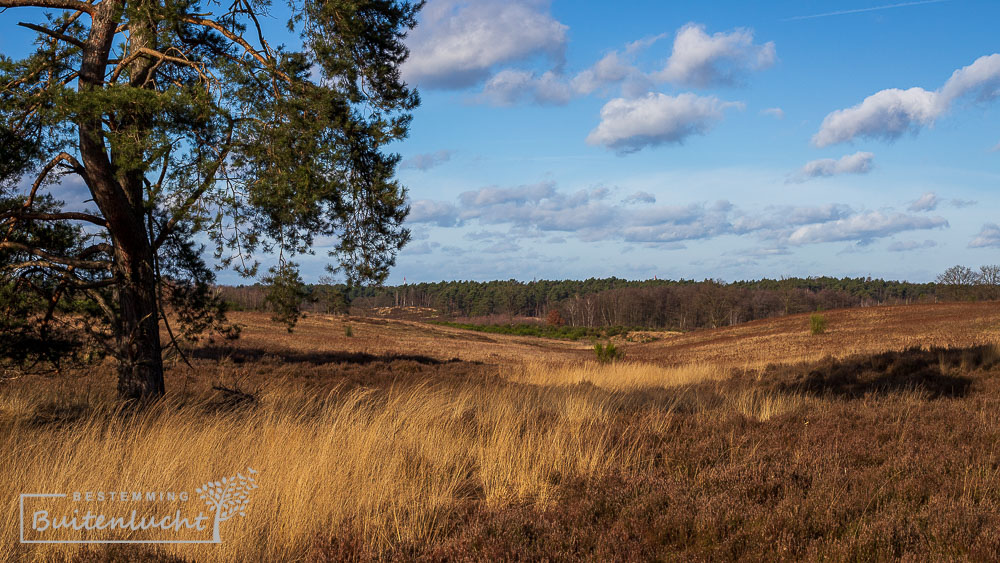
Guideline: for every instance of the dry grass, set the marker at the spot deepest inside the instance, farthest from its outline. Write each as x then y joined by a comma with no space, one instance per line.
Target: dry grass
615,376
379,446
390,463
788,340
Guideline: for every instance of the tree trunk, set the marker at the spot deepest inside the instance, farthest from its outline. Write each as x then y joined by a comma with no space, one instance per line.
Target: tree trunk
140,371
118,194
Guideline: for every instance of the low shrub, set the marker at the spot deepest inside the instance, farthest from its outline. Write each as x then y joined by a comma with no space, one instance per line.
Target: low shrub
607,353
817,323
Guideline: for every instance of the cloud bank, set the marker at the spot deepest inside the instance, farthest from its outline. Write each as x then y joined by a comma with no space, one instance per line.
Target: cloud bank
536,210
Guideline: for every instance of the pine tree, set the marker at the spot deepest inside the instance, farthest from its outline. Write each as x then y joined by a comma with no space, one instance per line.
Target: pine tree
184,118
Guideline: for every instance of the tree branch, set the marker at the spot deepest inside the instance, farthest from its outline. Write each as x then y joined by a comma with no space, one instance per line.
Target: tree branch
74,164
193,198
199,67
52,33
67,215
49,260
56,4
238,40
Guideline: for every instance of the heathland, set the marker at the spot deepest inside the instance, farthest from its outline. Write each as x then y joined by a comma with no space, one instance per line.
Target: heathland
377,438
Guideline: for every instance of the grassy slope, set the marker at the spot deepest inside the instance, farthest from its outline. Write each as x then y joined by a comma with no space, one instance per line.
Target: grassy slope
753,442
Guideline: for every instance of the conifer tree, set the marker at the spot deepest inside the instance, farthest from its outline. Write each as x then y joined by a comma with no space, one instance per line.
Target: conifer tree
185,119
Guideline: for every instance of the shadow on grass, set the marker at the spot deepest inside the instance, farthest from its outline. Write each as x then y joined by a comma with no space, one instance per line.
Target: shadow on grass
253,355
938,372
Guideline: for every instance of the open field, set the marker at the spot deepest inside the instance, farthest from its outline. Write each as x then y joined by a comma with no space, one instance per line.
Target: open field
411,441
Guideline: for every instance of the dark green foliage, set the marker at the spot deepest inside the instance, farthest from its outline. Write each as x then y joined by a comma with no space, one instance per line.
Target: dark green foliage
348,331
33,298
183,119
607,353
817,323
285,293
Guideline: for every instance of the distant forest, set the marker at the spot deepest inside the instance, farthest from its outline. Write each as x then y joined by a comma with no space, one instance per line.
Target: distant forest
659,304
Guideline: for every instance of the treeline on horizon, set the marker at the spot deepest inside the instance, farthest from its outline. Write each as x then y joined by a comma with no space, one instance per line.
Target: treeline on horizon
604,302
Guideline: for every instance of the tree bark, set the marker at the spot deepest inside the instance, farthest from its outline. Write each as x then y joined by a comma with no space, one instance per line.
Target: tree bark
140,371
119,197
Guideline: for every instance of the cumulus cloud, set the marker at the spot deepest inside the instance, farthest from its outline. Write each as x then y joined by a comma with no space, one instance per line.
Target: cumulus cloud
981,79
439,213
776,113
698,59
927,202
777,221
671,224
509,87
630,125
888,114
988,237
421,248
520,195
721,59
459,42
640,197
610,69
908,245
857,163
540,207
863,227
426,161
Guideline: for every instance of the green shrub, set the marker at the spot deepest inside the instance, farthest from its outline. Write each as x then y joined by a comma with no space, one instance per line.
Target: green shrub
607,353
817,323
348,331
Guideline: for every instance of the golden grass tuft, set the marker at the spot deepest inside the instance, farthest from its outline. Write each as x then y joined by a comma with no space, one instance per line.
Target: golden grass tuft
616,376
389,463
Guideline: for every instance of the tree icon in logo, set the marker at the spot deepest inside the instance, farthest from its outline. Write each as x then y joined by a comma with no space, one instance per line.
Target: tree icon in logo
228,497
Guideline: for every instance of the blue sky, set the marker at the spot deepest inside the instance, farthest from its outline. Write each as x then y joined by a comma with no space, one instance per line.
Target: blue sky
729,140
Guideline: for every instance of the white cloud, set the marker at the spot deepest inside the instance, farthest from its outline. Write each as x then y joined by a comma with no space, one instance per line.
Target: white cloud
927,202
542,211
611,69
908,245
639,45
883,115
630,125
509,87
863,227
982,77
779,220
776,113
520,195
988,237
640,197
857,163
437,212
421,248
459,42
701,60
888,114
426,161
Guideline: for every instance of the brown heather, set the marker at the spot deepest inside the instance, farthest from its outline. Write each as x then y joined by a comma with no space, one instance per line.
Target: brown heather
876,440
